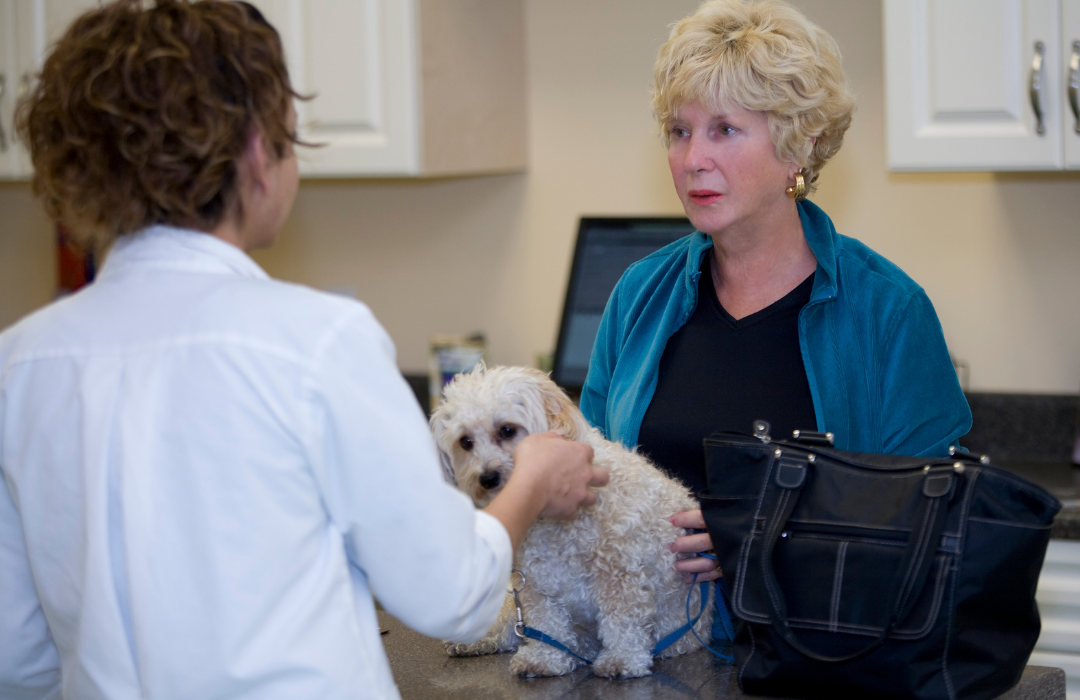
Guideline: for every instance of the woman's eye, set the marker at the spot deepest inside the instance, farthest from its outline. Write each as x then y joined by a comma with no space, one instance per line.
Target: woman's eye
677,132
466,443
507,432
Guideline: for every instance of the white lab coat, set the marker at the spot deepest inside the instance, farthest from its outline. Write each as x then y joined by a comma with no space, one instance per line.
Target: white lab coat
206,475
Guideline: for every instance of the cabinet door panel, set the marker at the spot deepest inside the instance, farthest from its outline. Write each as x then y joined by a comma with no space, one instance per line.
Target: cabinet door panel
958,84
1070,44
358,58
41,24
9,76
28,30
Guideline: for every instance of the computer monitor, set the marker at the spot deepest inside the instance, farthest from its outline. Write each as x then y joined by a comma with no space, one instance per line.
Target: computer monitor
605,247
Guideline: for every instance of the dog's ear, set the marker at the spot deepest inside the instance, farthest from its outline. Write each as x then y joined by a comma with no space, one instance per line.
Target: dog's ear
438,427
447,468
563,416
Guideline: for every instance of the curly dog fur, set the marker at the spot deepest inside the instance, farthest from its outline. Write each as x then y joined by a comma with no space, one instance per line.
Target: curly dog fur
604,584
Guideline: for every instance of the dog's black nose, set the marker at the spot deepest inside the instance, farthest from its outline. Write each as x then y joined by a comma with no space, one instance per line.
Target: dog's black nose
490,480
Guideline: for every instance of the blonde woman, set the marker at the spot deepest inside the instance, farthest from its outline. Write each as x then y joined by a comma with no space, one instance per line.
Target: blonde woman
766,312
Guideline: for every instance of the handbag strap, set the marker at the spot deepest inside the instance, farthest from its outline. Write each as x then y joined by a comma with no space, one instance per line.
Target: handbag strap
937,488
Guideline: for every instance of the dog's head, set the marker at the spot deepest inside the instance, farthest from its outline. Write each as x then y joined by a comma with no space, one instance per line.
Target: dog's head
486,413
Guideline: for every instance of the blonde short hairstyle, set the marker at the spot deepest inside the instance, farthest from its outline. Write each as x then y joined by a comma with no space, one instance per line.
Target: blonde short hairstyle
764,56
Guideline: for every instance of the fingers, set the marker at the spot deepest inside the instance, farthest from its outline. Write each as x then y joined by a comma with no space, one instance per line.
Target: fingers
707,576
689,519
695,565
564,472
692,544
600,477
704,568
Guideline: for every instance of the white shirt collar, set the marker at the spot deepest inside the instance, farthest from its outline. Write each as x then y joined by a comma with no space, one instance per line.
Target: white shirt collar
179,249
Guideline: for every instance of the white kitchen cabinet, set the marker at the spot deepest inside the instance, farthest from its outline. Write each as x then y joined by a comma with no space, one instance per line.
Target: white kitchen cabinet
1058,596
406,87
403,88
980,84
1070,107
27,30
9,80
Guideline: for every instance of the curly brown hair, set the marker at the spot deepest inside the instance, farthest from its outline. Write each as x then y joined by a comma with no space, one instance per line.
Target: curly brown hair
141,114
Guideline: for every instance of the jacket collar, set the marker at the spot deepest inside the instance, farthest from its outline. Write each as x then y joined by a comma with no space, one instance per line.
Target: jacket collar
168,247
821,236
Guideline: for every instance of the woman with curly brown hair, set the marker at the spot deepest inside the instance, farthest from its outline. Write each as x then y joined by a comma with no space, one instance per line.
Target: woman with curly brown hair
766,312
206,474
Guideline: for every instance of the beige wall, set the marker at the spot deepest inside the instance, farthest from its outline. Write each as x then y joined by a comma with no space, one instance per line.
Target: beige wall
998,254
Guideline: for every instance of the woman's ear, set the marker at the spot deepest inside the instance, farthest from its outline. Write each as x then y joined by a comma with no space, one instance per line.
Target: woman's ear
257,161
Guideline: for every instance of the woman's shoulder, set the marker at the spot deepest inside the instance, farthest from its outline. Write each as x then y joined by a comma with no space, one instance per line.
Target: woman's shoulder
859,262
674,257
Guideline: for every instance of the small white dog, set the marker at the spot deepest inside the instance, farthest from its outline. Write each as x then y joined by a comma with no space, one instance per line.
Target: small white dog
605,581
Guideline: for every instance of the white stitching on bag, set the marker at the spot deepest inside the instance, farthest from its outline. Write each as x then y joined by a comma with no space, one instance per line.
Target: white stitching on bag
838,581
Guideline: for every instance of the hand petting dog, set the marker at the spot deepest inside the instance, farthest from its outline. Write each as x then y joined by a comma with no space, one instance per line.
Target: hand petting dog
553,477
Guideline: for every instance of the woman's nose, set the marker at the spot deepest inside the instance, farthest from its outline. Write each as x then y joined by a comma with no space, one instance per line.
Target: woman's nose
697,157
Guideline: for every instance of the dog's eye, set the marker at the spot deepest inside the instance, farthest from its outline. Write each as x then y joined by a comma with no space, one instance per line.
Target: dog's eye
466,443
507,432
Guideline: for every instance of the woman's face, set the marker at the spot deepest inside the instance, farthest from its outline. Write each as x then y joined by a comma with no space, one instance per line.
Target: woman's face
725,168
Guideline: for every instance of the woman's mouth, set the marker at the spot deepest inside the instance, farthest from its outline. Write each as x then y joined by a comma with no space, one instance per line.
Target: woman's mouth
703,197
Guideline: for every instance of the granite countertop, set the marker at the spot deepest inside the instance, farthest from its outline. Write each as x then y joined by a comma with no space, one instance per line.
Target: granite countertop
423,670
1062,480
1033,435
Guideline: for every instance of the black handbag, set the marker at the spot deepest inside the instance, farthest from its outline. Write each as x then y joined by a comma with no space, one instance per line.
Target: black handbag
874,576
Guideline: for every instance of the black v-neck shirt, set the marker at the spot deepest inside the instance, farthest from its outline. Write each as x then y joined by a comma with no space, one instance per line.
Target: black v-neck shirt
718,373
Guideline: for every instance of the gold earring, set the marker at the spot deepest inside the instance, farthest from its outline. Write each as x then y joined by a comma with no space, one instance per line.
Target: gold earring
798,191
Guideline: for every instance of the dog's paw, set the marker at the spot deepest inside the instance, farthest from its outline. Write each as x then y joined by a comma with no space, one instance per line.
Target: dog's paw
482,648
537,660
610,665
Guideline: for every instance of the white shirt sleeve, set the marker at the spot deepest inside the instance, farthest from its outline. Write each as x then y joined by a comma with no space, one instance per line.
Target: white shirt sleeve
29,662
430,557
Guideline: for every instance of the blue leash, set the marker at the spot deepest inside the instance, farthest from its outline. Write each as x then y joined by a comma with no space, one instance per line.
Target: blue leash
523,631
723,616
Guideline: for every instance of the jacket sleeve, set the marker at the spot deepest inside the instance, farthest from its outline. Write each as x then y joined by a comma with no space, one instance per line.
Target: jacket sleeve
925,411
605,354
432,560
29,663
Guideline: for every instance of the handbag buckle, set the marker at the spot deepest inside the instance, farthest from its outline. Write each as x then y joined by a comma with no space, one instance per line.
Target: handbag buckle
790,472
938,482
761,431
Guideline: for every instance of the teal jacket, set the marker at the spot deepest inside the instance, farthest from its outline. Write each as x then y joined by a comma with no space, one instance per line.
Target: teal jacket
880,373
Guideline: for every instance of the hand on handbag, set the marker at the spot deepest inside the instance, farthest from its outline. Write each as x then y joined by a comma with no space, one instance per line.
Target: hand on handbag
706,568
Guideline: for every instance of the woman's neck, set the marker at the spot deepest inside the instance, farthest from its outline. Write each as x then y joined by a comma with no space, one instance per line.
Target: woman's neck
754,268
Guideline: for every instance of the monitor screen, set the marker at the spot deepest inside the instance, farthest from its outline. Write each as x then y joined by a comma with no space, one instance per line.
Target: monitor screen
605,248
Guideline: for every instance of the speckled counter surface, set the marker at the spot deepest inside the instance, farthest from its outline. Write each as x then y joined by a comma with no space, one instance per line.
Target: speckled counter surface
1034,436
1062,480
423,670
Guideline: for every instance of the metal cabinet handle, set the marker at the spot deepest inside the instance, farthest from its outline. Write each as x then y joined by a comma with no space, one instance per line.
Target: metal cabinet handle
1035,87
1074,84
3,136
